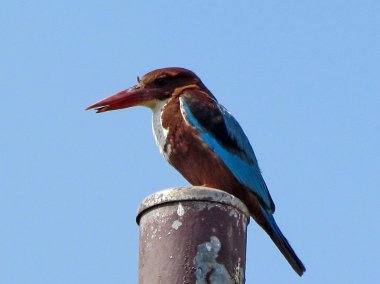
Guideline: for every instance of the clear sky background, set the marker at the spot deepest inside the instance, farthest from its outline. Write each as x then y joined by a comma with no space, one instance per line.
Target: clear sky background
301,77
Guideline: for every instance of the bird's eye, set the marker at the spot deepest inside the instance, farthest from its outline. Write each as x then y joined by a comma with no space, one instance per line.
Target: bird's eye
138,79
161,81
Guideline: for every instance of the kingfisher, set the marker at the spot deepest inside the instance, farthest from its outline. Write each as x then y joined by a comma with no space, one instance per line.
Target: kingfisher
202,140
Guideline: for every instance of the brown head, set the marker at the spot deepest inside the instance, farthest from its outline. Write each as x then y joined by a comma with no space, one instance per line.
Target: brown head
156,85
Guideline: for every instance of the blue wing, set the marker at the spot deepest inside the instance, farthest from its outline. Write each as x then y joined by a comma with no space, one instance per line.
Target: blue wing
219,129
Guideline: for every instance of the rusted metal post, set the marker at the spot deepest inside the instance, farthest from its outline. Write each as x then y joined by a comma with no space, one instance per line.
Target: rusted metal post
192,235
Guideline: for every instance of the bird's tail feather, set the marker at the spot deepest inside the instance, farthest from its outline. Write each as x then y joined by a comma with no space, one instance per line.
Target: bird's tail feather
282,243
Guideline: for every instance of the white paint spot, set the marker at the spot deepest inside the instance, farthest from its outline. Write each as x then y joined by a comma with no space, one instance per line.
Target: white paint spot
208,246
234,213
209,271
180,210
176,224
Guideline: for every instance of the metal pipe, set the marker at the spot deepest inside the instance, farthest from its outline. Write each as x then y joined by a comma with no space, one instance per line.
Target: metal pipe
192,235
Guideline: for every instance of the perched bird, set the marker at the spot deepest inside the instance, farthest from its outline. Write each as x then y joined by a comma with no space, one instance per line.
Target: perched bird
204,142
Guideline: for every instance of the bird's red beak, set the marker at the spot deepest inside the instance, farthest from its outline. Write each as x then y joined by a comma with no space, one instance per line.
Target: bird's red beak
128,98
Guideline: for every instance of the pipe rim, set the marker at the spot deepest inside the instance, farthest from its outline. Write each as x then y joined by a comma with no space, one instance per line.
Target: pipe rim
190,193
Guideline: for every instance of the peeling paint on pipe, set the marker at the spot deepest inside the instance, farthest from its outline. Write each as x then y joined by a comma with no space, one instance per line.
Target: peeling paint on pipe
192,235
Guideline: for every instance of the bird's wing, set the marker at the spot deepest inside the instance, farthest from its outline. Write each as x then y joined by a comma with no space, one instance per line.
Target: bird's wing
219,129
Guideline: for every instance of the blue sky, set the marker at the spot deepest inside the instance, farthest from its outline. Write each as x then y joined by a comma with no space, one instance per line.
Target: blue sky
301,77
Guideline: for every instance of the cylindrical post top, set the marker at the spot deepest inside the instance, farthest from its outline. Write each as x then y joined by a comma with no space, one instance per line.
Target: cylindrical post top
192,235
190,193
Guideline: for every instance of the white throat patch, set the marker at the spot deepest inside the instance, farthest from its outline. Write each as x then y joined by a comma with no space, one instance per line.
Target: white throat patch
160,133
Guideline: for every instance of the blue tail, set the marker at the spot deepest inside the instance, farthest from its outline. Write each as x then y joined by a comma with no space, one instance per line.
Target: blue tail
281,242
